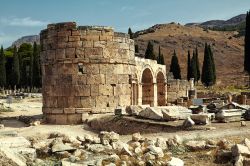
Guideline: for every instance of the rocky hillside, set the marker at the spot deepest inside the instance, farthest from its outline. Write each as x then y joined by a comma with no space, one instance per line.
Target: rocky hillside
27,39
222,23
227,47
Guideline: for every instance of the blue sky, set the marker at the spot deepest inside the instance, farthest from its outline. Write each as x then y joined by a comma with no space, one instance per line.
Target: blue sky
28,17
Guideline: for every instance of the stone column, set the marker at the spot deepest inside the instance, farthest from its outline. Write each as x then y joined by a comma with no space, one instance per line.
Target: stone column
166,93
191,83
155,95
139,94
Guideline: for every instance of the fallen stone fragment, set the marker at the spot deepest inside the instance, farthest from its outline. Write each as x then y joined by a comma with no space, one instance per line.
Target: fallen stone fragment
137,137
120,111
246,142
151,113
239,161
170,113
28,153
126,151
97,148
188,123
14,142
243,124
108,137
162,143
157,151
239,149
6,152
223,156
231,115
35,123
196,145
203,119
177,139
59,147
175,162
1,126
135,109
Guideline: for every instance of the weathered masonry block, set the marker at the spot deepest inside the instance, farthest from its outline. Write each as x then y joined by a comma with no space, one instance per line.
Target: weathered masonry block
84,69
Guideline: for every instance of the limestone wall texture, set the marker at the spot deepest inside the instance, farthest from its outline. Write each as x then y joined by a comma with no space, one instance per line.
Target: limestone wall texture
85,69
176,89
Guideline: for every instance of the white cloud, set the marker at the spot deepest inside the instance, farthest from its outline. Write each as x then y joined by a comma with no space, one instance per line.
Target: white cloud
23,22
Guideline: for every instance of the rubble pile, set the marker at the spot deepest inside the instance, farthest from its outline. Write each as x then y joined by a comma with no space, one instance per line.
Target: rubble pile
108,149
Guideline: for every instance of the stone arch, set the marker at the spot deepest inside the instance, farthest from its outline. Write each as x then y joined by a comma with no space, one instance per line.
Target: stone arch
161,90
151,70
147,82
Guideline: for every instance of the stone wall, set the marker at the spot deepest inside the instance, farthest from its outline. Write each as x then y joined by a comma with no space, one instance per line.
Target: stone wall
85,69
177,89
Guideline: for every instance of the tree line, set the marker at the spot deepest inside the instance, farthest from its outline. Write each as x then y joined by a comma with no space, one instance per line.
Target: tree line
247,47
20,67
208,74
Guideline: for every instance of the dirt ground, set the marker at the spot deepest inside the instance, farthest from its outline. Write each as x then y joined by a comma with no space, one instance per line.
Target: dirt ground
125,126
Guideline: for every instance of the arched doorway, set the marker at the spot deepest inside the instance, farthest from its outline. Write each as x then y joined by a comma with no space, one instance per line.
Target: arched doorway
147,87
161,91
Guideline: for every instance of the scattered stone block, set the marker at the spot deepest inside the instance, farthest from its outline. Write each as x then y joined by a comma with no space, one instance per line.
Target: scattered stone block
175,162
8,153
196,145
120,111
108,137
239,149
14,142
60,146
137,137
231,115
188,123
135,109
203,119
243,124
151,113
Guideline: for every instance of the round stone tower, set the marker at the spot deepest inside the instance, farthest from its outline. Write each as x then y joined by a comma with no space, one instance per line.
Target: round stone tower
85,69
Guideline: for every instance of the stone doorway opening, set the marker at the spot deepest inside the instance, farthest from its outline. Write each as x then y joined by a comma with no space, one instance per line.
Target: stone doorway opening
147,87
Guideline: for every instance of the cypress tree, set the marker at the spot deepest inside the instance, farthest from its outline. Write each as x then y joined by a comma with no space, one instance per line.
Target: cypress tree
2,68
36,74
194,67
131,34
247,46
15,69
207,77
213,64
149,54
162,60
175,67
136,49
189,66
159,56
31,65
197,65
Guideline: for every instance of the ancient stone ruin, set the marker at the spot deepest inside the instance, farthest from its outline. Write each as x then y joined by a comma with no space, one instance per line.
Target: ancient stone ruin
92,69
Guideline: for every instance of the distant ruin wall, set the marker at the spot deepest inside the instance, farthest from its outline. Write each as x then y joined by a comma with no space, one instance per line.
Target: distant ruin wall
85,69
176,89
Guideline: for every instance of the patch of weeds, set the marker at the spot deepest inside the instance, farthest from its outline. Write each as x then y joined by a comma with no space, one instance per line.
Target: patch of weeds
198,137
6,109
178,150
